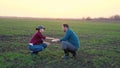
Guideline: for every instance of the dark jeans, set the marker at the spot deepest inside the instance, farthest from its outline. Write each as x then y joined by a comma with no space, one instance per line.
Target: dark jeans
68,47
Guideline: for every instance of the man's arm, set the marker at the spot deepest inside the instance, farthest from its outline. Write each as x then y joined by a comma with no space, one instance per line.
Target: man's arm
66,36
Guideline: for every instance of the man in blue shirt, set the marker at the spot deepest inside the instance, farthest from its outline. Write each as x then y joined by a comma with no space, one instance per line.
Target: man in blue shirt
70,42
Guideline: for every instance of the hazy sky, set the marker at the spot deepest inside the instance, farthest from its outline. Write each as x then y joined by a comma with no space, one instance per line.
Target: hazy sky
59,8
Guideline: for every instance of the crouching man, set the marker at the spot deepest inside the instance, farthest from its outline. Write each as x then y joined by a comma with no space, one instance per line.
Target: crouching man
36,43
69,43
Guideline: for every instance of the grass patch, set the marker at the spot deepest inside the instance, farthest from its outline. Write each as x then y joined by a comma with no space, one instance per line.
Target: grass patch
100,44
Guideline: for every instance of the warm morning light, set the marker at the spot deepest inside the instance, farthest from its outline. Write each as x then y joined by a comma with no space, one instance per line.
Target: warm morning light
59,8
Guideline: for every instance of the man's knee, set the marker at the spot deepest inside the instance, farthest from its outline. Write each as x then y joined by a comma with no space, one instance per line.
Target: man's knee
64,45
63,42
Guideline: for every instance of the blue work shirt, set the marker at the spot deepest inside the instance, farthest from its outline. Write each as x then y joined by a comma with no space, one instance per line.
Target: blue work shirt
72,38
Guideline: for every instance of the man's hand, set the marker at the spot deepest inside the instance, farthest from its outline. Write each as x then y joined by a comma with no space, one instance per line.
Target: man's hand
55,40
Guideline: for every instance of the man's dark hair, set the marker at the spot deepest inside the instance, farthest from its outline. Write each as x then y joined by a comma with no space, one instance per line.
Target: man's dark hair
66,25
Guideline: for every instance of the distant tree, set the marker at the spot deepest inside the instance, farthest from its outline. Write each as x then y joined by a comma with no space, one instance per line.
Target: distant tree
115,17
101,18
88,18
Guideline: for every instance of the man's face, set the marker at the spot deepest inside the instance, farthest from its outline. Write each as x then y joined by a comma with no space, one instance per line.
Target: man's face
64,28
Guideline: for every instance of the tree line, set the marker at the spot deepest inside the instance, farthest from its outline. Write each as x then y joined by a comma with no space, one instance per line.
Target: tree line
114,17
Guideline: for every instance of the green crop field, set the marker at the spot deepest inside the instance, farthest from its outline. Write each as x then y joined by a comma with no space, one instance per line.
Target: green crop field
100,44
